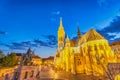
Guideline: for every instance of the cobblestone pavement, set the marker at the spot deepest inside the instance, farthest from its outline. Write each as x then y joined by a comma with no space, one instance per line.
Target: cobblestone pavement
60,75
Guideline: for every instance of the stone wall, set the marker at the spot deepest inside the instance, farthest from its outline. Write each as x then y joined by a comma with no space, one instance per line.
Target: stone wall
30,72
21,73
6,72
113,69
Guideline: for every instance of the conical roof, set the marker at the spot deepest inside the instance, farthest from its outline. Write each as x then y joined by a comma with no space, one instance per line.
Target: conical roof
61,25
91,35
67,39
79,33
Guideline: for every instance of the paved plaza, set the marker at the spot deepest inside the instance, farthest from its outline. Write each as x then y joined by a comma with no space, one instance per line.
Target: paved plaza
50,74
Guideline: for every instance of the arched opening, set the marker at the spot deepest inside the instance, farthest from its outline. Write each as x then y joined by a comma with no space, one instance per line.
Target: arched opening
26,75
38,74
32,73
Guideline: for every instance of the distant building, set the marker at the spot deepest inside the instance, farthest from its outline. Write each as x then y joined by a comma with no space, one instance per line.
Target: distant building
116,48
36,60
48,61
89,54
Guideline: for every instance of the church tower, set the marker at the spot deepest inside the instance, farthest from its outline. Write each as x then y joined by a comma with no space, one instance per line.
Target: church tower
61,36
79,33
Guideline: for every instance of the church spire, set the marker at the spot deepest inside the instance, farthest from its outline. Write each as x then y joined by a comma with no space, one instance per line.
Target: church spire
61,22
67,39
61,34
79,33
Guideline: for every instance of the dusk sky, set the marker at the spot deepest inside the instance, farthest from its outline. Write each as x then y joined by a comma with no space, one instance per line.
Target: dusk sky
34,23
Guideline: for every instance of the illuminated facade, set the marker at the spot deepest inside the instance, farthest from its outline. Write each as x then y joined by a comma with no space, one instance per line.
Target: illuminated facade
48,61
88,54
116,48
36,60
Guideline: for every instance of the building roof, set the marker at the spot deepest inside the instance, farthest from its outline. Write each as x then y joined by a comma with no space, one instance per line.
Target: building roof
37,57
61,25
73,43
49,58
91,35
115,43
57,54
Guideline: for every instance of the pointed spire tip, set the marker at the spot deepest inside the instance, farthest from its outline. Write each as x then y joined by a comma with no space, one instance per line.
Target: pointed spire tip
60,21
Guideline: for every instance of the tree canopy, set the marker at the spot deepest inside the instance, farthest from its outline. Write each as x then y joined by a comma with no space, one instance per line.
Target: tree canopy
1,54
9,60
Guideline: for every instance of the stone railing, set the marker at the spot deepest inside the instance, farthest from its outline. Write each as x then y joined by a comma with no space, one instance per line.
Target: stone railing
26,72
6,71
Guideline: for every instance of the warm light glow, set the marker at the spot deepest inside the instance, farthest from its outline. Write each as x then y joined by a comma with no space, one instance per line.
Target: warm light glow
89,54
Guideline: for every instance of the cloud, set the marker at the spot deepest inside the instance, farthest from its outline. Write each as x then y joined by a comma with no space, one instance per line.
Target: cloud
1,43
116,35
107,3
114,25
53,19
50,41
112,31
55,12
40,42
29,44
102,2
2,32
20,45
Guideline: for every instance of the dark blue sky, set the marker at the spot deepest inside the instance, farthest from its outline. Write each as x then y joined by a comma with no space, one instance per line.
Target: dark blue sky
34,23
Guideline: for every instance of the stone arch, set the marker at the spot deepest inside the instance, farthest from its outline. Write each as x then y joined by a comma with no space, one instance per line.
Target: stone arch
32,73
38,74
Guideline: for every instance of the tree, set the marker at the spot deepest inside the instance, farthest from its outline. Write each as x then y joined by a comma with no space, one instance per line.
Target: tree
9,60
1,54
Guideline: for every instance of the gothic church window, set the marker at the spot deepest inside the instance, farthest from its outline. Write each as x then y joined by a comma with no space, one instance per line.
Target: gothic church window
78,62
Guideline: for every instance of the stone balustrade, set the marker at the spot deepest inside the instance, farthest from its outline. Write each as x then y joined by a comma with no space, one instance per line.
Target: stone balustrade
26,72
